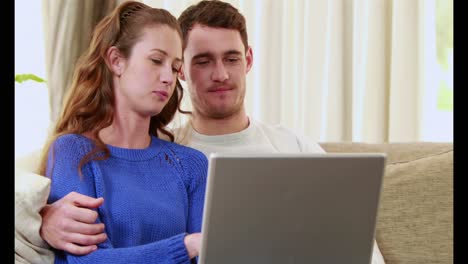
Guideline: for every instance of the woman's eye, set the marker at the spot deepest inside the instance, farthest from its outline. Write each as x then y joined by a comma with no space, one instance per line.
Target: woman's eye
158,62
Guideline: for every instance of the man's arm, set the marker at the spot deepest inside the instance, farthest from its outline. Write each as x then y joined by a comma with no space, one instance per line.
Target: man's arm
69,224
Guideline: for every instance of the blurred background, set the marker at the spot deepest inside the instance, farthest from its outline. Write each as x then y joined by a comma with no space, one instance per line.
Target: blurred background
332,70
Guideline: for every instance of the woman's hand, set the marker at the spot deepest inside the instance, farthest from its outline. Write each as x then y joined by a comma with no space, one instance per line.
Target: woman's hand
193,243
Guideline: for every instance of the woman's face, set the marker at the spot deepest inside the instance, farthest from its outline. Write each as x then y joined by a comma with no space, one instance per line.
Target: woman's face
150,72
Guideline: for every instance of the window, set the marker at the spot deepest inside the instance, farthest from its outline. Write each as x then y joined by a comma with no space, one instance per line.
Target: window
31,98
437,82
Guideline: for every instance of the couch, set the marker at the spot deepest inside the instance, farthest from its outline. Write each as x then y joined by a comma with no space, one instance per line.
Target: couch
415,217
31,193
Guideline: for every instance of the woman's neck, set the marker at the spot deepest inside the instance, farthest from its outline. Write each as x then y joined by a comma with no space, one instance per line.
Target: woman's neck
127,133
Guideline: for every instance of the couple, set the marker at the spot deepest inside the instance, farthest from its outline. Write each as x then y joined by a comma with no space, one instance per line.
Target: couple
119,193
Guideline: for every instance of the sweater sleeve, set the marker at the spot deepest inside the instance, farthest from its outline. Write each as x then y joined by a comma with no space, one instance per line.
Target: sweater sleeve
166,251
197,173
308,146
62,168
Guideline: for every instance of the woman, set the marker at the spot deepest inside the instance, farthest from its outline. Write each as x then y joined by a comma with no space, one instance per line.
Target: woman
105,143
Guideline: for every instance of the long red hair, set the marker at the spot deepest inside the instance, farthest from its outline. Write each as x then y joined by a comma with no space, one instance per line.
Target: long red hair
89,105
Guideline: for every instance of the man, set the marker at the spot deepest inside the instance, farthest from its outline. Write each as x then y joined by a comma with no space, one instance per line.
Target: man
217,58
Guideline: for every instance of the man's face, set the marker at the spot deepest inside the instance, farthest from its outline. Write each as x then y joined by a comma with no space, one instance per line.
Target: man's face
215,68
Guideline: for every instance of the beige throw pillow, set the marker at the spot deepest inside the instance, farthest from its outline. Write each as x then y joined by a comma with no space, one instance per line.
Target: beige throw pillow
31,193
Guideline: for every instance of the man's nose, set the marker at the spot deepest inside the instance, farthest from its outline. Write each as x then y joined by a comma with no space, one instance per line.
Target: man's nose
220,72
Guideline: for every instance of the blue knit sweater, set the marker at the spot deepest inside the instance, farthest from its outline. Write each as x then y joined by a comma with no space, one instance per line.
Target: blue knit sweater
152,197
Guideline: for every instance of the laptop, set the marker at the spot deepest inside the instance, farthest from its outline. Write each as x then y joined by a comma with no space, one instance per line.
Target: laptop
291,208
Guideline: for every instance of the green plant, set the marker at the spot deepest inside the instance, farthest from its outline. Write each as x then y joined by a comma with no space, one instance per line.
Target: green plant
19,78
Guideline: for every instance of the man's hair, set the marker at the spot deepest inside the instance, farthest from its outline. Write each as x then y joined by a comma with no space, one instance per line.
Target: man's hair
216,14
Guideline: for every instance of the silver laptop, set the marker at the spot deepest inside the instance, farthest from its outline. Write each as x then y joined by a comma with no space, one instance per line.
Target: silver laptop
291,208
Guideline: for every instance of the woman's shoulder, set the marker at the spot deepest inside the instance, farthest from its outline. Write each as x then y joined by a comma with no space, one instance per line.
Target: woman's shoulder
72,141
184,151
71,137
192,163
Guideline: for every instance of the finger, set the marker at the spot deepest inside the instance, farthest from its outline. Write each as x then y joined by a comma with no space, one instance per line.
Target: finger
79,250
86,240
84,228
84,200
79,214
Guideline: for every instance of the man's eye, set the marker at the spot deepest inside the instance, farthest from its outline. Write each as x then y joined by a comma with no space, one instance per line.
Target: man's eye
232,60
158,62
201,62
175,70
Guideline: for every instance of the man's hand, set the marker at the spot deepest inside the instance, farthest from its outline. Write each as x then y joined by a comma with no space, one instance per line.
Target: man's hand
69,224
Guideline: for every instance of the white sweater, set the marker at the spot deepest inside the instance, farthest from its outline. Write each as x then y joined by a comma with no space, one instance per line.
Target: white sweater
256,138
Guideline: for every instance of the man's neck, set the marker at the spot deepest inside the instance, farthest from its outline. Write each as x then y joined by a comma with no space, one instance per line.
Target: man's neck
212,127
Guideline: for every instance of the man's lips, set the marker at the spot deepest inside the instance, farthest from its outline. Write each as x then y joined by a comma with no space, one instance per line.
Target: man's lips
220,89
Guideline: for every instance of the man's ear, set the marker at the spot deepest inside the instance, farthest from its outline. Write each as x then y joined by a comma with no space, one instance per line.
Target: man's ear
115,60
249,59
182,73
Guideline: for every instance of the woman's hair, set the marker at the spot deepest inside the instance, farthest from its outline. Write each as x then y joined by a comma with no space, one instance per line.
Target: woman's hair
89,105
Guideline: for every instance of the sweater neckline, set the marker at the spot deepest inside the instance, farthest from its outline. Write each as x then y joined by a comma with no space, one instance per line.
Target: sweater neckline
223,139
137,154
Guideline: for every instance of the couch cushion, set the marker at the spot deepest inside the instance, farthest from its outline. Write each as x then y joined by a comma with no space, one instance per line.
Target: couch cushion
31,192
415,218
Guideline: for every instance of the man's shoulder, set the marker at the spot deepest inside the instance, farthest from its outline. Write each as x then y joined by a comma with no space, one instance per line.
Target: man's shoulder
181,134
275,130
285,139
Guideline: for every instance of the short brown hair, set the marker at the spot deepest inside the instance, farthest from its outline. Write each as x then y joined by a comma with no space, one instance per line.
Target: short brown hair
216,14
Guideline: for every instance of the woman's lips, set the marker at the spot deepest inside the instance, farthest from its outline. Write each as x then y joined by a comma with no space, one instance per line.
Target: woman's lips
162,94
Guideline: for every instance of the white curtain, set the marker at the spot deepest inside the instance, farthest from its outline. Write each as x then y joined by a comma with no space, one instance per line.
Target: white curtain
68,25
333,70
